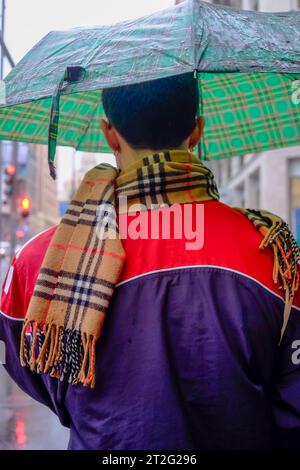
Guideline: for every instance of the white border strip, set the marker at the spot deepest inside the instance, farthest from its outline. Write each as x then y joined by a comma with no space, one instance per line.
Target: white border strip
8,280
196,266
11,318
17,254
221,268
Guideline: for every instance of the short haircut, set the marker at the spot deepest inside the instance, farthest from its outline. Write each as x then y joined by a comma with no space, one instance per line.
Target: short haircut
157,115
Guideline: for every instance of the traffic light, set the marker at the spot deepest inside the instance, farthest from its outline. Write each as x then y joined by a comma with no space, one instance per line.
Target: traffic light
9,181
10,170
25,206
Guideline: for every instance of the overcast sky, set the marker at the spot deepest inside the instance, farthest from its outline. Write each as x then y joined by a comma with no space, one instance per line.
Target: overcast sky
27,21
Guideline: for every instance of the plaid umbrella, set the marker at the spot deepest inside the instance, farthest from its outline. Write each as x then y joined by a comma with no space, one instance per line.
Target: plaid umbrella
247,65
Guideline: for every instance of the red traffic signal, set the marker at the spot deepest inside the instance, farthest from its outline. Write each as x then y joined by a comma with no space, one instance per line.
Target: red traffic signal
10,170
20,233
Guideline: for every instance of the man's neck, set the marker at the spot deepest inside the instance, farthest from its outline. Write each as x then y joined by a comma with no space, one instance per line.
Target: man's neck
130,156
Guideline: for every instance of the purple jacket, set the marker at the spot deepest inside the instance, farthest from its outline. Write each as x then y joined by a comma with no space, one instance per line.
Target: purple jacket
189,355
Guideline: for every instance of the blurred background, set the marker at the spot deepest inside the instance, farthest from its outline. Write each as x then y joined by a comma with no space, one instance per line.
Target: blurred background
245,180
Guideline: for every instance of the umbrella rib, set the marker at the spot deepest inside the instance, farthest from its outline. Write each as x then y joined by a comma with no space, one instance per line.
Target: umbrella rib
89,122
184,62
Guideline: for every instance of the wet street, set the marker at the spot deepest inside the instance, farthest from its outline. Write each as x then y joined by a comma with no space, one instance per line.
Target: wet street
24,423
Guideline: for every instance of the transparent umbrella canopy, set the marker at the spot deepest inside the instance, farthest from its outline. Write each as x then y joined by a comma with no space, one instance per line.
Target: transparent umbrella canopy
247,65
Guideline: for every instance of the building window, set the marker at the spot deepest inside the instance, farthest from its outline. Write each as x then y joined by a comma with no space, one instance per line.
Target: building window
254,190
224,171
255,5
250,4
239,196
235,166
229,3
294,196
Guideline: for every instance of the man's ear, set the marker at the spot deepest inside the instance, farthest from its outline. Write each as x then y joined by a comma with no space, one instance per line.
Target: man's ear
197,132
110,135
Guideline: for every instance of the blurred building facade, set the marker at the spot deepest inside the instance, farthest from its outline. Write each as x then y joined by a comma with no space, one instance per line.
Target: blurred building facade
31,180
44,190
259,5
80,163
268,180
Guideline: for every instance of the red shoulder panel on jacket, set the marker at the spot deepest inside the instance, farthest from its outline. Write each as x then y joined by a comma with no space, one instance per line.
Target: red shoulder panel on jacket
21,278
225,239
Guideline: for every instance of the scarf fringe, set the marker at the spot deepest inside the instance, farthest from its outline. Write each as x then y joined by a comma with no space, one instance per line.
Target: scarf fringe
286,262
276,235
70,354
286,257
64,354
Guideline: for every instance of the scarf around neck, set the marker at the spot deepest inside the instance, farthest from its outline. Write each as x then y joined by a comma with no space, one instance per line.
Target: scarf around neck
85,257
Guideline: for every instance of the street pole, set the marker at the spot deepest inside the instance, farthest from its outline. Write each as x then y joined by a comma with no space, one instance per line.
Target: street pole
4,53
2,37
1,145
14,216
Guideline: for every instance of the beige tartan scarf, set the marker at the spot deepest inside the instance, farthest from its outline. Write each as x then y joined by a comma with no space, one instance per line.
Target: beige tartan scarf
81,266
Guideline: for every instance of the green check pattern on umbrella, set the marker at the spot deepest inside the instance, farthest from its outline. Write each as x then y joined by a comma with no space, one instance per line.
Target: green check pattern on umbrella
243,113
247,113
247,65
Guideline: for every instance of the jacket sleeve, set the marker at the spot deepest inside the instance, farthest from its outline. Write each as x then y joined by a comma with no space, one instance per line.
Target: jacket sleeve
16,293
287,385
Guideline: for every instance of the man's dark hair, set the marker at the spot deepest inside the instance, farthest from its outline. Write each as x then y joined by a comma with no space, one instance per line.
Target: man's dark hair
159,114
